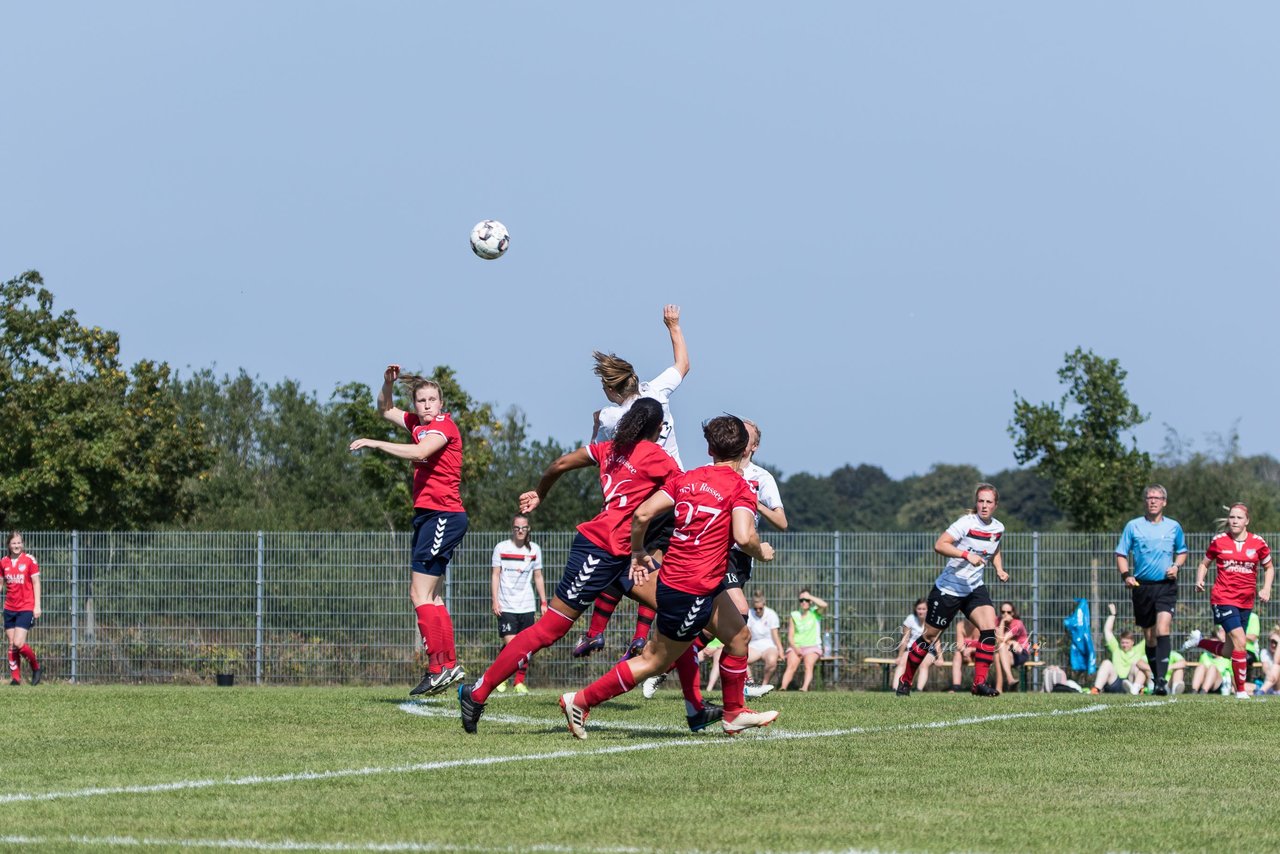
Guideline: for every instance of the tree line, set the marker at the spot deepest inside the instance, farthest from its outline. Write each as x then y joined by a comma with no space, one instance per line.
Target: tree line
89,443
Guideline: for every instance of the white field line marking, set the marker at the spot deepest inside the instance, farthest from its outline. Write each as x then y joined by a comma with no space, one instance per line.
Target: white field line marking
296,845
181,785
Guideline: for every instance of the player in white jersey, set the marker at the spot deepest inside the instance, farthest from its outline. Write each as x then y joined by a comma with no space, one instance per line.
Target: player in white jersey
969,545
517,573
623,388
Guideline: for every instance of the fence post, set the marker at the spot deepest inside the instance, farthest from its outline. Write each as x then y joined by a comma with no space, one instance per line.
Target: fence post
835,640
257,643
75,588
1035,605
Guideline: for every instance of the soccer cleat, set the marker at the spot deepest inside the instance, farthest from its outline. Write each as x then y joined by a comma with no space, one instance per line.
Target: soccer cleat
471,710
35,676
709,714
983,690
1193,639
652,684
747,719
587,645
575,715
502,687
1240,695
424,686
903,689
522,688
754,689
15,681
448,676
634,648
1161,688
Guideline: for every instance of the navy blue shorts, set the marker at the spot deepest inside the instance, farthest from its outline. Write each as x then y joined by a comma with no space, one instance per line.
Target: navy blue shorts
18,619
436,533
514,623
588,573
681,616
739,573
1228,616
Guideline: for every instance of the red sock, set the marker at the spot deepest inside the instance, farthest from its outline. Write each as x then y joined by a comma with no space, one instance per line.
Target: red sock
1239,668
919,650
614,683
690,679
446,635
435,640
521,670
14,672
733,682
1212,645
424,624
644,622
550,628
606,602
29,654
700,642
983,655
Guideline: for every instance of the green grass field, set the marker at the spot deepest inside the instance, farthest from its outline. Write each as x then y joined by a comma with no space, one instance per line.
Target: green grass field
362,769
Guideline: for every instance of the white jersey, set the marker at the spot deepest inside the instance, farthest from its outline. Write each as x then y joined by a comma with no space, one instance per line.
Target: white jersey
765,486
762,627
971,534
660,389
914,627
515,582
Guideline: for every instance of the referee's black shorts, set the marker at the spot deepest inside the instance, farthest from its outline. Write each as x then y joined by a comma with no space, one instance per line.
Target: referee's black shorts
1152,597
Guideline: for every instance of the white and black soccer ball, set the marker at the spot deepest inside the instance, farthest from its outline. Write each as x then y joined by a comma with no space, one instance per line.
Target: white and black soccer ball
489,239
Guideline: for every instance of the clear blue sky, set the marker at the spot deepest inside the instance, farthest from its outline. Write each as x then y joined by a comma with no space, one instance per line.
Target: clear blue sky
881,219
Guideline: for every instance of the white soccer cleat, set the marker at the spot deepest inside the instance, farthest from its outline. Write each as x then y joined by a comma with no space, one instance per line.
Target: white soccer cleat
753,689
652,684
1243,695
575,715
1193,639
747,719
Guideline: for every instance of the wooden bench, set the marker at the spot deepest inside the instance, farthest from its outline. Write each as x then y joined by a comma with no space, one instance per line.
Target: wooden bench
888,663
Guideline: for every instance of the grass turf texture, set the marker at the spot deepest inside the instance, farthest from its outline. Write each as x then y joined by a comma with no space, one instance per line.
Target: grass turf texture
933,772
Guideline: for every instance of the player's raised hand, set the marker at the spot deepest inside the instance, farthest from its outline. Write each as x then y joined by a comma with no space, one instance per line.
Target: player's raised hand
529,501
671,315
391,374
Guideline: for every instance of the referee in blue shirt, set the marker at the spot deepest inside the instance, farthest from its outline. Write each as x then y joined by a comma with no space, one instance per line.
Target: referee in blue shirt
1158,549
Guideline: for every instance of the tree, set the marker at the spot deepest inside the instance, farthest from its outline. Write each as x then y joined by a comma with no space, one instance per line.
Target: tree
934,500
1097,478
86,444
1202,484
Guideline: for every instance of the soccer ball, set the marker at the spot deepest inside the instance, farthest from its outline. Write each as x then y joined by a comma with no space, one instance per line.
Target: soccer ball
489,239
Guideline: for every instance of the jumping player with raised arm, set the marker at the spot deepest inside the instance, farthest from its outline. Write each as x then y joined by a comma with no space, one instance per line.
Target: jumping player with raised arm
439,519
713,507
632,467
623,388
969,545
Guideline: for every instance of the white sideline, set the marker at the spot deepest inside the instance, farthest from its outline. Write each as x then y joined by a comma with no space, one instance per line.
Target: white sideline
295,845
180,785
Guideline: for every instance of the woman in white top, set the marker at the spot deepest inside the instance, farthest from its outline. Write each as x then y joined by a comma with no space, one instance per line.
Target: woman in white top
912,628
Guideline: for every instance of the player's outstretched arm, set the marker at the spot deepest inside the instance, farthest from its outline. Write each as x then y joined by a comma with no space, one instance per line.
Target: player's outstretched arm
657,503
422,451
386,396
680,352
578,459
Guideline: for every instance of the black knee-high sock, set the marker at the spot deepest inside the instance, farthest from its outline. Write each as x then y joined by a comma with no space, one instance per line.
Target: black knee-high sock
1160,667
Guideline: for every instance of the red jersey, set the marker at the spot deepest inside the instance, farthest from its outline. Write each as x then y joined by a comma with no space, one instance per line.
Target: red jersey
627,481
436,481
19,593
1236,582
706,499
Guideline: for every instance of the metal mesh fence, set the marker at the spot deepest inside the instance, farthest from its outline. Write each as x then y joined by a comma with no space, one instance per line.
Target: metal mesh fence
334,607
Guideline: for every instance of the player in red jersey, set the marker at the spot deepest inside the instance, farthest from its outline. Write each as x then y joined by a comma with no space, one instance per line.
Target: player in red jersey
632,467
439,519
1237,554
21,606
714,507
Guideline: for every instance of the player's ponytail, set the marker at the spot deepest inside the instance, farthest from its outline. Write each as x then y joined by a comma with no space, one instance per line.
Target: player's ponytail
616,374
642,421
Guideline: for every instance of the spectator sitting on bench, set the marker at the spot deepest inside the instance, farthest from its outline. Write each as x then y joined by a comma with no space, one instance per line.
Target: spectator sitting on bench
966,642
1271,662
1127,667
804,639
912,628
1013,646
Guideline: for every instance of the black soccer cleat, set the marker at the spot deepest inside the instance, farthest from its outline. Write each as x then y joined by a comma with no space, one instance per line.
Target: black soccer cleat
903,689
471,710
424,686
35,676
701,720
1161,688
983,690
